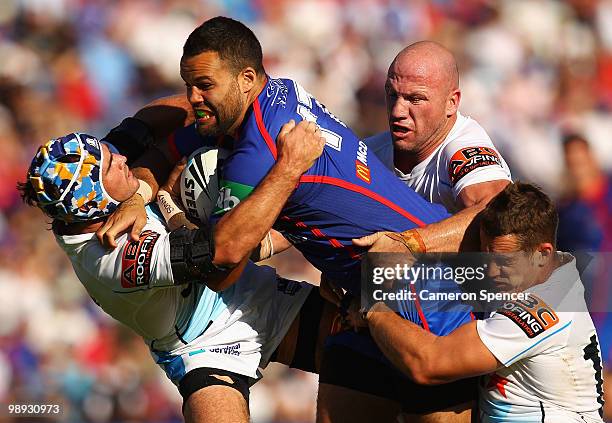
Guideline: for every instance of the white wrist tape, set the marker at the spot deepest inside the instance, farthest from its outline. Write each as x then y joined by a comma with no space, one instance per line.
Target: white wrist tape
267,247
167,205
271,243
145,191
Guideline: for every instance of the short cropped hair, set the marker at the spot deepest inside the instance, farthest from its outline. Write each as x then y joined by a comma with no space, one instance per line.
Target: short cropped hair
523,210
232,40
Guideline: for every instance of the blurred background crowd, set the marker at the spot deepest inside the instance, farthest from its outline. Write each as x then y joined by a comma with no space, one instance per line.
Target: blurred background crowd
537,74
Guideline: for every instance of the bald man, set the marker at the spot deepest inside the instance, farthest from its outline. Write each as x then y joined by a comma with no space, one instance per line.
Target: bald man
446,157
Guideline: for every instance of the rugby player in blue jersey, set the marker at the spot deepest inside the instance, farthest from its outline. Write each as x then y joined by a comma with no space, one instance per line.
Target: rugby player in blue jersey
346,194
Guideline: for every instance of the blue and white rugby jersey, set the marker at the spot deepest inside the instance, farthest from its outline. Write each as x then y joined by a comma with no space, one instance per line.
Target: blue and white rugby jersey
133,283
348,192
550,351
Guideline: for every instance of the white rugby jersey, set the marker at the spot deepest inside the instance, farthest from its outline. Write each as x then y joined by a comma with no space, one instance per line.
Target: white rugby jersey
466,157
120,281
186,326
549,348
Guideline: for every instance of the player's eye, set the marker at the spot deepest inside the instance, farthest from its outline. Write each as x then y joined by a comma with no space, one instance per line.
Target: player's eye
415,100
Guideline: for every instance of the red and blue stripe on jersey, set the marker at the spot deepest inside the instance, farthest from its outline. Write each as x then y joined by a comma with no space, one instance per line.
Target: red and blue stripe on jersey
348,193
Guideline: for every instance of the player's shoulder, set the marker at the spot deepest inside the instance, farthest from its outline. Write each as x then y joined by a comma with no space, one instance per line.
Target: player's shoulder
286,96
75,244
533,316
553,304
86,250
278,95
275,105
470,156
466,133
382,146
380,141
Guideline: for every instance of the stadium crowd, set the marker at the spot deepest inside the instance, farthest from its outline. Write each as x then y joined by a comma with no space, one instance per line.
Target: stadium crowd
531,72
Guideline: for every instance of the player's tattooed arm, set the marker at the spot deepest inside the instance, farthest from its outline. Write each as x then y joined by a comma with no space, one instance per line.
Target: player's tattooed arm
245,226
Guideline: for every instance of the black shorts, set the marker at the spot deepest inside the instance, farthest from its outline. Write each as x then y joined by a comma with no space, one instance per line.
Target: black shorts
310,315
202,377
343,366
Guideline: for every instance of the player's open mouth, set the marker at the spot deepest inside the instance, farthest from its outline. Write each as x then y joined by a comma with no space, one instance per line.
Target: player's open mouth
203,115
396,129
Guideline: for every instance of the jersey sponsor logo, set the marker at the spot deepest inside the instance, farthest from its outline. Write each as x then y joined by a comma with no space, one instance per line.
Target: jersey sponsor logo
468,159
532,315
190,197
361,163
233,349
277,89
230,195
136,260
287,286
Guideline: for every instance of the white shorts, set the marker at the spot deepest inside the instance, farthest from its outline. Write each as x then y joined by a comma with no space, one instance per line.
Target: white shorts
244,336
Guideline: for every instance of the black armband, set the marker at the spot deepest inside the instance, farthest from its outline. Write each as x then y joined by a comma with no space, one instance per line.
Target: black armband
191,254
131,137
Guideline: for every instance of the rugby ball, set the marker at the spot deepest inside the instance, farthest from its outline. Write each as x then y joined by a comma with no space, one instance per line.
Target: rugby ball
200,182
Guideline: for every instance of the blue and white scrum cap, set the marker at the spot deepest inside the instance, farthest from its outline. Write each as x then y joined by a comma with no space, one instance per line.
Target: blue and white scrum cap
66,175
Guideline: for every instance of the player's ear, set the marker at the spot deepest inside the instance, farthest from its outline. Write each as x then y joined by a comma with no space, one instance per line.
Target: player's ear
544,253
246,79
452,102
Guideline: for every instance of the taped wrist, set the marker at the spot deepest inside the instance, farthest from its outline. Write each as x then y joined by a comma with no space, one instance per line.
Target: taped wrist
411,239
131,137
145,191
191,254
166,204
